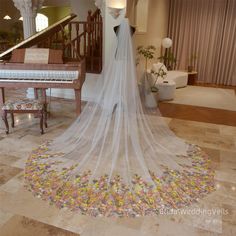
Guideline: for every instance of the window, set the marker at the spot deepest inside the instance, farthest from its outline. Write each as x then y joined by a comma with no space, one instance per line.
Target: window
41,22
142,16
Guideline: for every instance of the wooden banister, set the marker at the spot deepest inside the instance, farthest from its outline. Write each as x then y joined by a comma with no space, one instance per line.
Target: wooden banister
86,36
80,39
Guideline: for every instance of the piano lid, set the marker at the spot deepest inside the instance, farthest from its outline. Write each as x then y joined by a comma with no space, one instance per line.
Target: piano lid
36,38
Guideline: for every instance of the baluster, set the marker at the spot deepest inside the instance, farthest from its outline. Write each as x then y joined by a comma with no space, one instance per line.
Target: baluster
77,37
85,41
73,50
95,25
70,30
100,45
92,49
89,32
63,41
70,38
49,42
78,49
89,19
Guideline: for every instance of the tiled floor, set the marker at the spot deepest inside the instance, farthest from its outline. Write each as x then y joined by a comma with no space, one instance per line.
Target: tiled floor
22,214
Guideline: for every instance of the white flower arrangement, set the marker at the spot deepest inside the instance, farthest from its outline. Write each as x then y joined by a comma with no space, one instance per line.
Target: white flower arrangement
161,73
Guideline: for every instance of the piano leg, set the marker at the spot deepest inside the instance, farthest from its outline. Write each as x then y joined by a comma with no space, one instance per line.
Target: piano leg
4,117
44,96
12,120
2,99
2,96
78,101
45,104
41,114
36,95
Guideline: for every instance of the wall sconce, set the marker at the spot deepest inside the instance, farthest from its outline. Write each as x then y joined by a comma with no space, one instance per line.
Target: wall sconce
115,7
21,18
6,17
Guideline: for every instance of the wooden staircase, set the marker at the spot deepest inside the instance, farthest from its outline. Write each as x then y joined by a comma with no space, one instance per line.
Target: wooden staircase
80,39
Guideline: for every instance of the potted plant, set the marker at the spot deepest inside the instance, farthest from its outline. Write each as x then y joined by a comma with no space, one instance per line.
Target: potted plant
192,61
169,60
161,73
148,53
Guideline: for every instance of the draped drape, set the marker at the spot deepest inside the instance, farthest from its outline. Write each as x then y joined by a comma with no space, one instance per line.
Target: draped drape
205,28
226,73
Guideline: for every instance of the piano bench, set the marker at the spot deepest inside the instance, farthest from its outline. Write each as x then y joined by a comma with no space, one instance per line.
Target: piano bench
24,106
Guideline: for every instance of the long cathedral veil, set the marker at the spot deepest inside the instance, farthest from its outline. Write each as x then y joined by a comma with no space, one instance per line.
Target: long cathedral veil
116,160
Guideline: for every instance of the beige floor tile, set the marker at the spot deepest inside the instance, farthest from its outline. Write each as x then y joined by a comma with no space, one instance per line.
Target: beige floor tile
20,225
33,216
7,172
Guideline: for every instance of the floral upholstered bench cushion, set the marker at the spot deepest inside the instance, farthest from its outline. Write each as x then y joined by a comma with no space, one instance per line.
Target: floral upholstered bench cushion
26,104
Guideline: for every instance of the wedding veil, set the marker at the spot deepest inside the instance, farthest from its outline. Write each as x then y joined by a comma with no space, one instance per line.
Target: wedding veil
115,159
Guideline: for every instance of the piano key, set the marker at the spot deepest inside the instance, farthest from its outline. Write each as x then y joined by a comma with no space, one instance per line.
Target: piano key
46,76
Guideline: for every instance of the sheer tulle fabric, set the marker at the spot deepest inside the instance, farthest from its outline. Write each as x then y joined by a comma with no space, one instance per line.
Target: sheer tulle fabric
114,159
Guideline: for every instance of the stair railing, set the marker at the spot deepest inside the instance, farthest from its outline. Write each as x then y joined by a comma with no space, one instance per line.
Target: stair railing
80,39
85,41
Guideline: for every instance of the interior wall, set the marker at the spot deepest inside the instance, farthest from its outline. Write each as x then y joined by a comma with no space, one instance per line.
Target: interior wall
7,8
55,14
81,8
57,10
157,27
56,3
141,16
109,36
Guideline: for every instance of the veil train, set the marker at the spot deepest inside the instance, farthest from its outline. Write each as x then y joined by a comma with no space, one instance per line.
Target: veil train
115,160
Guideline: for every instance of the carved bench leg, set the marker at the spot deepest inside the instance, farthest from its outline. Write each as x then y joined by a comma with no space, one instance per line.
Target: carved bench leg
45,116
41,121
12,120
78,101
4,117
2,100
36,94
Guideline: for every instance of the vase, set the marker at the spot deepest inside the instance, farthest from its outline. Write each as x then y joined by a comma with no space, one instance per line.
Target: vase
151,100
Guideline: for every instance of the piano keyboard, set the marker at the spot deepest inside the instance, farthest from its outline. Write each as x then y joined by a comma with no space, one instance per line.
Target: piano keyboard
42,76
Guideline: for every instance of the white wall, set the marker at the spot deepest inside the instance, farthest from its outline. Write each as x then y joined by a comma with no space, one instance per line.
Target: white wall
89,91
108,31
142,13
157,28
81,8
156,31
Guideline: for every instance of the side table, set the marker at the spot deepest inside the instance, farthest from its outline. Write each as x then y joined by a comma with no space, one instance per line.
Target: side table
192,77
166,91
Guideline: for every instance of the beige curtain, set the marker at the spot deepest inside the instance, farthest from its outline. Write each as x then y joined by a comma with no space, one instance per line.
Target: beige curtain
226,73
131,11
205,28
